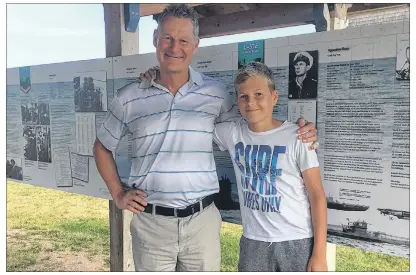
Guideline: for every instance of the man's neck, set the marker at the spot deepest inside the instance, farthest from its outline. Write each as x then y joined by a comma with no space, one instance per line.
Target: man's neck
172,81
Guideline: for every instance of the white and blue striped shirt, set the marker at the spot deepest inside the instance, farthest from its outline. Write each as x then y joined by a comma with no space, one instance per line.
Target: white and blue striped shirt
172,137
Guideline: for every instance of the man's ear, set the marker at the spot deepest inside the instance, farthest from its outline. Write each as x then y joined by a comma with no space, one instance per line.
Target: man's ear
196,44
155,37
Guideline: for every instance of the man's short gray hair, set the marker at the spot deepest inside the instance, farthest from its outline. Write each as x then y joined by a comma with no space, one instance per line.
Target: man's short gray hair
254,69
180,11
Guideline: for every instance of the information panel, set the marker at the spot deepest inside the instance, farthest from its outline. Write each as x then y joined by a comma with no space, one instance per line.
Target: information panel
352,83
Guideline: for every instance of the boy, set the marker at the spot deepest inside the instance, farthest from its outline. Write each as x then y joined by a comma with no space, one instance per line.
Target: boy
282,202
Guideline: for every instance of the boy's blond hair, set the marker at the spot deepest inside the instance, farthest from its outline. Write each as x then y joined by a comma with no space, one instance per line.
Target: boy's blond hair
254,69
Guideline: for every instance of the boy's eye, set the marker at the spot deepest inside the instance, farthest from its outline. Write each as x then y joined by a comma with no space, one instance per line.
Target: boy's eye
259,94
243,96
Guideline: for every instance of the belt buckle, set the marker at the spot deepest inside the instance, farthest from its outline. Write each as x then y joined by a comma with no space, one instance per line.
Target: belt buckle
175,212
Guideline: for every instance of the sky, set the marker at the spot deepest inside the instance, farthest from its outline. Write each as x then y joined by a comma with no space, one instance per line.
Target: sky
54,33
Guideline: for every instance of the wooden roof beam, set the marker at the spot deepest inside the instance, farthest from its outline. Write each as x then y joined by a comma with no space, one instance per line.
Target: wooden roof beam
365,7
150,9
265,17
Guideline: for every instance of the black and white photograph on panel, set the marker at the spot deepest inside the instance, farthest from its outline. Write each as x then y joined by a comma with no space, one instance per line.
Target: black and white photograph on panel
90,91
403,60
303,75
43,110
43,144
29,134
14,168
30,113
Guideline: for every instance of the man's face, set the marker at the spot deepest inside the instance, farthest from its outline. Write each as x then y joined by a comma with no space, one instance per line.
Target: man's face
256,100
175,44
301,68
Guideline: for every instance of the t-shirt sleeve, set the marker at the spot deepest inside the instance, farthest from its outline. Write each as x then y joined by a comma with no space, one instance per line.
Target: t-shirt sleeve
306,158
229,109
222,134
114,126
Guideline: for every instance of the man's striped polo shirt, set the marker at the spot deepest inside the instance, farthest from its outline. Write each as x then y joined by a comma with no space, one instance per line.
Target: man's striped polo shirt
172,137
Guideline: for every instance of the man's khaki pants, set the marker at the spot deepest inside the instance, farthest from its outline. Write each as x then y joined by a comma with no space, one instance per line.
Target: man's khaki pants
162,243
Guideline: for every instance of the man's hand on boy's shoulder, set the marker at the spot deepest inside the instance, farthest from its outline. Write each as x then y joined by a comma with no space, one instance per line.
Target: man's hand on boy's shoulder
307,133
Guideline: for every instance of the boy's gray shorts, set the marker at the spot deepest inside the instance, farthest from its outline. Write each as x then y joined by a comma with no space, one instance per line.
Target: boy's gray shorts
280,256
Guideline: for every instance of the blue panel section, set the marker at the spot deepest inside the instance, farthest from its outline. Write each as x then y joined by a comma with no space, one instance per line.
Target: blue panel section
131,17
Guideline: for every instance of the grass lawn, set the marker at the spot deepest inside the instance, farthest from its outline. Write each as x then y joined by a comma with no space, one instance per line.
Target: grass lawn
50,230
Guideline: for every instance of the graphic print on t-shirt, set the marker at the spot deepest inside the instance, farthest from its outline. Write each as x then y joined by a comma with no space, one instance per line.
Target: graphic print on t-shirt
259,172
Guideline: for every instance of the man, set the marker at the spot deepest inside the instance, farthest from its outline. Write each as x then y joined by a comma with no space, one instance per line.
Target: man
173,178
9,167
303,85
16,171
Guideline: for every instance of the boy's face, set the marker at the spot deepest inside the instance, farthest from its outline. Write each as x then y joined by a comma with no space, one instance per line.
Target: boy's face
256,100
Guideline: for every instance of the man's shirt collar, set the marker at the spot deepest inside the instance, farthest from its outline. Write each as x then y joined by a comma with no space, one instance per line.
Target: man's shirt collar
194,77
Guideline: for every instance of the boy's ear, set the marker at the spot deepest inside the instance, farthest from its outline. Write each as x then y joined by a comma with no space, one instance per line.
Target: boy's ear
275,96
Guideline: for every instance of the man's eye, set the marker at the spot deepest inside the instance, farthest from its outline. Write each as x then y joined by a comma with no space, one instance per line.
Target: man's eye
243,97
259,94
184,42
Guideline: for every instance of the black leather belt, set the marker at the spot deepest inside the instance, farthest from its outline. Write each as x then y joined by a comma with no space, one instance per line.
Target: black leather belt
180,213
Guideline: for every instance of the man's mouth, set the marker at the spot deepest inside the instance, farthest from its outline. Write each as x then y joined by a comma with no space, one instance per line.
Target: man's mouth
175,57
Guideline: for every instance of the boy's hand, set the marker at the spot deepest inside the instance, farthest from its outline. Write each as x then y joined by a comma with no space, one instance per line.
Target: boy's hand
149,75
317,264
307,133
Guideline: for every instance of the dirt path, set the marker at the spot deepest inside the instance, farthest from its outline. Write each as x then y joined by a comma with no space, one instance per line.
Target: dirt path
39,254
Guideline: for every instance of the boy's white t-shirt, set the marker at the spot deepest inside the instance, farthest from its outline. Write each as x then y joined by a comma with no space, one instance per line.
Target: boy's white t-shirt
273,199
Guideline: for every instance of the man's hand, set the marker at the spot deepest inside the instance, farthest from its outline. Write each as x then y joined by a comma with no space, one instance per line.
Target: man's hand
317,264
307,133
150,74
131,200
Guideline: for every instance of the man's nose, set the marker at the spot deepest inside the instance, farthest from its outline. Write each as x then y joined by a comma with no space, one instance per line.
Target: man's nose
174,45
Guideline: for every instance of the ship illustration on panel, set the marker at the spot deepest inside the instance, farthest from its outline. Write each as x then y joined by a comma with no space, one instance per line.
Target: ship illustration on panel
403,215
358,229
338,205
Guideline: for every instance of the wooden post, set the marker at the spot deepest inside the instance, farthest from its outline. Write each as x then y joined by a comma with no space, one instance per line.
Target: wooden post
338,16
331,256
321,17
118,42
329,17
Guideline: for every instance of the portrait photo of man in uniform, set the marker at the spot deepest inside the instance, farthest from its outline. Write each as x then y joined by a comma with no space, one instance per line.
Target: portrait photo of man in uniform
303,74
